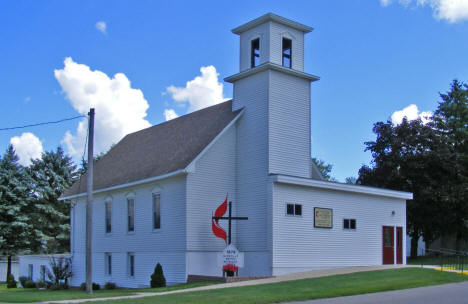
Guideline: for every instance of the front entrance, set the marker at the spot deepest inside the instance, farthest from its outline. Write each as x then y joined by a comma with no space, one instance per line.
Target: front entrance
387,242
399,245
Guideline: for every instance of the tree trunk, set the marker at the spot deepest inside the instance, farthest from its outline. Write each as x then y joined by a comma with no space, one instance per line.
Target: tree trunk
458,241
8,268
414,246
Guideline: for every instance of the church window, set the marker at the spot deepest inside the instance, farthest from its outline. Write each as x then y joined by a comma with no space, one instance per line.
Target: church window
349,224
293,209
30,272
108,217
131,214
108,263
255,53
287,47
131,264
156,211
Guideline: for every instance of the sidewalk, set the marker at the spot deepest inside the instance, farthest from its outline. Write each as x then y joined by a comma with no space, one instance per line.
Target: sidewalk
282,278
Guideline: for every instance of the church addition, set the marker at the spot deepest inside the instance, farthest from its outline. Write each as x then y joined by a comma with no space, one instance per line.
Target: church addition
155,190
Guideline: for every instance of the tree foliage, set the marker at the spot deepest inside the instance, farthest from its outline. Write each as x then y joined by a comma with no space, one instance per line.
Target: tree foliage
157,278
324,168
52,174
429,160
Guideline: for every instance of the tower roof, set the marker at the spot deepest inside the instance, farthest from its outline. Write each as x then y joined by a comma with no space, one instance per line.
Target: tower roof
271,17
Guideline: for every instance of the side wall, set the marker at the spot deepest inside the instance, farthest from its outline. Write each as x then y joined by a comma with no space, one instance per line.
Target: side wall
212,178
298,246
165,245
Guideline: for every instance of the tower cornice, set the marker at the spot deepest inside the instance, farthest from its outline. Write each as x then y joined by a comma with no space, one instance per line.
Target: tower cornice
270,66
272,17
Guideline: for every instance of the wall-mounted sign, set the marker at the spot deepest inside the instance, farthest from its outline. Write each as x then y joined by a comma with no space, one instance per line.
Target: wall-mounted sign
323,218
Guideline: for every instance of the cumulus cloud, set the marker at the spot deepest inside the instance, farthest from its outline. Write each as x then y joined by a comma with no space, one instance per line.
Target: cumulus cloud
201,92
101,26
170,114
411,112
120,109
450,10
27,147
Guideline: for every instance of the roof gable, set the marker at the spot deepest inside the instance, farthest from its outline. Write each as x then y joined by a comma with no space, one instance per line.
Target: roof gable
158,150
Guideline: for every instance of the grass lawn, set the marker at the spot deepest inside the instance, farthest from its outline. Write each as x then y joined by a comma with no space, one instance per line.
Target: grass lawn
327,287
23,295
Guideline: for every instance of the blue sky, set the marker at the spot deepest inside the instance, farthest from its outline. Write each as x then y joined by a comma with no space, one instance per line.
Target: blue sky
374,58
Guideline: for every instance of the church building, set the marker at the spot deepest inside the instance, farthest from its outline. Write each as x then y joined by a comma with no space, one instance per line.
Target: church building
155,192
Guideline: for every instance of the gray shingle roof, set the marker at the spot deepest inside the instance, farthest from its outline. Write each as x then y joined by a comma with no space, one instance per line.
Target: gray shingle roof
158,150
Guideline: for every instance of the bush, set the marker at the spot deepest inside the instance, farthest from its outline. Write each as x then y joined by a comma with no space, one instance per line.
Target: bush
96,286
109,285
11,283
60,286
41,284
29,284
157,278
23,280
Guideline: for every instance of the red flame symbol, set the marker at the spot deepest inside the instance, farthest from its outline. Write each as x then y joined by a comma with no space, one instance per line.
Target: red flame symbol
218,231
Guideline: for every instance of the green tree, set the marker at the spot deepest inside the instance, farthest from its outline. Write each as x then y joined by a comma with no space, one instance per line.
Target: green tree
16,229
324,168
451,121
410,157
157,278
351,180
52,174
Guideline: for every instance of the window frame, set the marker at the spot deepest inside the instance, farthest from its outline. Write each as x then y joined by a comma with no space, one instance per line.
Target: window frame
131,199
253,54
131,264
294,210
153,196
285,55
348,222
30,272
108,216
108,263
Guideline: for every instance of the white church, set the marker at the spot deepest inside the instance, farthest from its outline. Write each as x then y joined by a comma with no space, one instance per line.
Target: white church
155,192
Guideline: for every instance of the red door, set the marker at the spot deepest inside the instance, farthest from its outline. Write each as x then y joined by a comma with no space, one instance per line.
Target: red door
399,245
387,245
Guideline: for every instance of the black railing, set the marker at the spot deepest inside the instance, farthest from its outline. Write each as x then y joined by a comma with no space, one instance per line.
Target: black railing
444,259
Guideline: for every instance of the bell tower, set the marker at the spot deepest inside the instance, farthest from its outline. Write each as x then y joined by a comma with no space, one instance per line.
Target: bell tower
273,135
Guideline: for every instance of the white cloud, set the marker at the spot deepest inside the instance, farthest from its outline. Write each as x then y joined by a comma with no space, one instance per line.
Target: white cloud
27,146
411,112
170,114
120,109
101,26
201,92
450,10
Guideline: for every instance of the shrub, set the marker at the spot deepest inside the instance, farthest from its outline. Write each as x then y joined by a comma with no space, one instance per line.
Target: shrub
157,278
29,284
11,283
41,284
60,286
96,286
109,285
23,280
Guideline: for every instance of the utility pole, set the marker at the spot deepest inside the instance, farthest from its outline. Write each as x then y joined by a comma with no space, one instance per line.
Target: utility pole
89,205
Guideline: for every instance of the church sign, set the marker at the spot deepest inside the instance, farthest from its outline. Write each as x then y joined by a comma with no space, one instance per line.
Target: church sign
231,258
323,217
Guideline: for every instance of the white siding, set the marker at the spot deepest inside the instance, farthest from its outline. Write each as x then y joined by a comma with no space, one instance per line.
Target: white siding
166,245
271,45
298,246
252,165
14,270
213,178
263,33
289,125
277,32
37,261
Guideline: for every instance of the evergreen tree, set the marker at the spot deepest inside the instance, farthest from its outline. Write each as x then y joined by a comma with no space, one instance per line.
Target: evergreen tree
157,278
16,229
52,175
451,121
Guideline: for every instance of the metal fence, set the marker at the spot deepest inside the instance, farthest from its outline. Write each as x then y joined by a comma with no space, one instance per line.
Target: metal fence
445,259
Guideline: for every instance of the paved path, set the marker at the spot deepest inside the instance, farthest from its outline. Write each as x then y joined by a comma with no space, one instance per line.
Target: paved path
282,278
454,293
